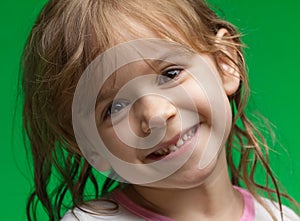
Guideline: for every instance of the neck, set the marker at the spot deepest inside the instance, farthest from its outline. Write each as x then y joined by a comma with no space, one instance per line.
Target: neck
214,199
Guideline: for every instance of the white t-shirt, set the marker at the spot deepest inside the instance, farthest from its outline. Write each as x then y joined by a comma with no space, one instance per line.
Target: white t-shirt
129,211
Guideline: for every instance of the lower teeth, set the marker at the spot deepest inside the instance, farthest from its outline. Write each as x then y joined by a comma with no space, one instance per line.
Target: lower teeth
173,148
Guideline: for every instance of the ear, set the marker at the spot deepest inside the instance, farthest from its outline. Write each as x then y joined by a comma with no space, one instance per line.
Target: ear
229,72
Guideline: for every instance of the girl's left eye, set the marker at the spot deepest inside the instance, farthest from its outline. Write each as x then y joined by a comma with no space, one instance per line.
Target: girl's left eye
115,107
168,75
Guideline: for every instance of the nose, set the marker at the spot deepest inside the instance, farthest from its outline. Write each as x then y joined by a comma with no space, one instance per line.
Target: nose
153,111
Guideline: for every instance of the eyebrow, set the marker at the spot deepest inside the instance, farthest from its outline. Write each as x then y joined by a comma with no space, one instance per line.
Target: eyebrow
151,63
106,94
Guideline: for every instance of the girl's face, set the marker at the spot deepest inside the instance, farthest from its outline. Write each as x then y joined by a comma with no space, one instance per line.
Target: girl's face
162,114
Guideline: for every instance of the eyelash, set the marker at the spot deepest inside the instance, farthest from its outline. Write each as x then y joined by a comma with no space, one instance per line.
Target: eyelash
162,79
108,111
163,76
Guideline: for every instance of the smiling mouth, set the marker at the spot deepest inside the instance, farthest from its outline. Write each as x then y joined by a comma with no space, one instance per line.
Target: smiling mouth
164,151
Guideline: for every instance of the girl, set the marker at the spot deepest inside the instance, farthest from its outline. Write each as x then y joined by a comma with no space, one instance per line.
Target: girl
152,94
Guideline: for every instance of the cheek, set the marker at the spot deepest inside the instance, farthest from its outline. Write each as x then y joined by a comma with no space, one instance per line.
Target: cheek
113,144
116,147
200,99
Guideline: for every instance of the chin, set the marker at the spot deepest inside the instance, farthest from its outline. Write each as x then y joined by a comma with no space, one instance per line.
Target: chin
187,177
195,177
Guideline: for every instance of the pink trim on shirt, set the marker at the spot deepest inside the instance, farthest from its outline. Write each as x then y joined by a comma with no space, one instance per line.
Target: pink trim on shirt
124,201
248,211
136,209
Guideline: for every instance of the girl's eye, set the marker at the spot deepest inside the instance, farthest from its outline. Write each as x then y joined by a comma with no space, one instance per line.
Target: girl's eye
115,107
168,75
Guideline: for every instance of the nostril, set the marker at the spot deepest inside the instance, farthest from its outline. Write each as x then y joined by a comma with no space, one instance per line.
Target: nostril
154,112
154,122
145,127
157,122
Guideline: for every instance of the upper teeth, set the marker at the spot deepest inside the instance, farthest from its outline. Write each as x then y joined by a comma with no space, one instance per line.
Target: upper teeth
171,148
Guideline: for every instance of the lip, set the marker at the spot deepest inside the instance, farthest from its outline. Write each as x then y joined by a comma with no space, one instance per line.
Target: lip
174,141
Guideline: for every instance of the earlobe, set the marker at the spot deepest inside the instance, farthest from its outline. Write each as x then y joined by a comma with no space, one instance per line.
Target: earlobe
227,62
231,80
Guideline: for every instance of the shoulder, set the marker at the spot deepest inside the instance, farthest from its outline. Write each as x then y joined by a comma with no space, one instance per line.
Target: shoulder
262,214
91,213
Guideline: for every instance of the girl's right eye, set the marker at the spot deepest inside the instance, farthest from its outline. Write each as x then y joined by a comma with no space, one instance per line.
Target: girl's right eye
115,107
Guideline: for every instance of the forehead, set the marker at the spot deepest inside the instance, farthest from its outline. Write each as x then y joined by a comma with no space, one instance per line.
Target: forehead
136,19
128,72
128,60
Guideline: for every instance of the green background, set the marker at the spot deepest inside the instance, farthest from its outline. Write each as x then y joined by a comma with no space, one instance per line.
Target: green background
271,31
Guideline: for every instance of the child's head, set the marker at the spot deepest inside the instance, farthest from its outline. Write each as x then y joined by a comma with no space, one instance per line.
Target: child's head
69,35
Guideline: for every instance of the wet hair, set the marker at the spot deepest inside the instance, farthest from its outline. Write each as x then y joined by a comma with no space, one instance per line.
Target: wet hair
65,38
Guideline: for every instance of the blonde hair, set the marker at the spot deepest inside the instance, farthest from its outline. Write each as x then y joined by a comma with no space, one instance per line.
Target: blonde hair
66,37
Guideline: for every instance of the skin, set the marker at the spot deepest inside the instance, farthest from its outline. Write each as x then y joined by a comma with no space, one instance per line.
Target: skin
189,193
